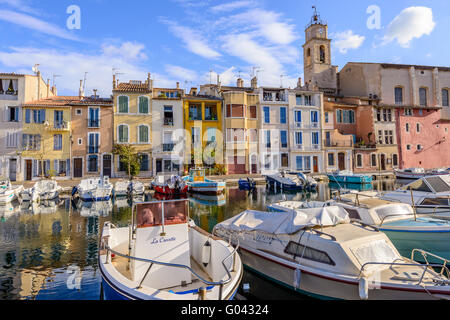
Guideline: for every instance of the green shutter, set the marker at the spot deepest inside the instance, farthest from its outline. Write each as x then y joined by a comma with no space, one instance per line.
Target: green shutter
123,104
143,105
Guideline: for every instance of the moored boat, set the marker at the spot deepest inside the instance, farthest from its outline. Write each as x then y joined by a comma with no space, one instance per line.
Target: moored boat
170,185
282,182
410,173
94,189
320,252
247,184
198,183
125,188
168,258
349,177
8,192
42,190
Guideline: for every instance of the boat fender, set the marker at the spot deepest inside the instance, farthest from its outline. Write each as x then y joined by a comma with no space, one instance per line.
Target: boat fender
364,289
206,253
297,278
74,191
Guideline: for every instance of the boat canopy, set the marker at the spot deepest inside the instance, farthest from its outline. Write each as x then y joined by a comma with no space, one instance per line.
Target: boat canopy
286,222
433,184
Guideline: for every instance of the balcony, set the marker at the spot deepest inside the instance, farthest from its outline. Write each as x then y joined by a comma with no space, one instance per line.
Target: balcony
299,147
338,144
314,125
168,147
315,147
59,126
168,121
298,125
93,123
93,149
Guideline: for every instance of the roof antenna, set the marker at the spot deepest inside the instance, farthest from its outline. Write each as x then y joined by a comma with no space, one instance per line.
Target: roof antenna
84,81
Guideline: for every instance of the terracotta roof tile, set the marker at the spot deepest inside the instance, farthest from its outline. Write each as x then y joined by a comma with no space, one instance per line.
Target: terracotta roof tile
67,101
130,87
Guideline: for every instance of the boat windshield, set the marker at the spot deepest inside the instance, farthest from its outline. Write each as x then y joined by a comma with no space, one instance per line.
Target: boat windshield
198,175
394,210
439,184
418,185
152,214
375,251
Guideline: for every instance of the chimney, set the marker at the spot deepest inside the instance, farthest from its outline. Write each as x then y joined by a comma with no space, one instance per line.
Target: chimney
149,82
193,92
255,83
299,83
95,93
81,91
54,91
178,85
240,83
48,88
114,82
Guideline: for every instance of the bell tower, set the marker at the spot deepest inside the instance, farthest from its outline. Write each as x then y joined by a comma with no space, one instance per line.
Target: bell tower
317,56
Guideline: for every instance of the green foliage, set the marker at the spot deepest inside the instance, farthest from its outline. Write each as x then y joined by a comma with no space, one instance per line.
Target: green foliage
129,158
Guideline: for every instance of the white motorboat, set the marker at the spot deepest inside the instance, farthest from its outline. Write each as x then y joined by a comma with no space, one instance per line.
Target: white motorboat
410,173
124,188
8,193
320,252
94,189
404,228
168,258
42,190
429,195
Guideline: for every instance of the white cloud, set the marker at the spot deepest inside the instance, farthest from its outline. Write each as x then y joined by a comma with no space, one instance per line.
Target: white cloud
127,50
35,24
19,5
347,40
193,41
181,73
72,65
230,6
412,22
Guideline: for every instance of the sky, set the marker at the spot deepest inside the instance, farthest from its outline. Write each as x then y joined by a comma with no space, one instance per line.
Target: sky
193,41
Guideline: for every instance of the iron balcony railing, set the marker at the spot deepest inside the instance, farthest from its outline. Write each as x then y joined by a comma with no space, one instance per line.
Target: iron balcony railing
93,149
168,121
168,147
93,123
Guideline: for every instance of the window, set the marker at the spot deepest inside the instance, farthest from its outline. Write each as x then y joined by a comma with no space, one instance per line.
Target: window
298,139
408,147
308,101
284,142
304,252
322,54
408,112
12,139
398,95
168,115
373,160
94,118
387,115
331,159
395,160
122,165
315,139
268,142
235,111
423,96
123,133
298,118
327,117
168,144
285,160
445,98
407,127
123,104
211,113
345,116
389,137
253,112
39,116
266,114
144,159
418,128
196,136
211,135
58,117
253,135
298,100
143,105
307,161
378,114
57,142
195,112
13,114
359,160
31,142
80,142
283,119
299,163
93,163
61,167
315,118
94,143
78,112
419,147
235,135
8,86
143,134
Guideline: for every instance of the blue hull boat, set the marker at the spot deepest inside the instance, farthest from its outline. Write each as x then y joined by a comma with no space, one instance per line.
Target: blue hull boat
248,184
277,181
349,177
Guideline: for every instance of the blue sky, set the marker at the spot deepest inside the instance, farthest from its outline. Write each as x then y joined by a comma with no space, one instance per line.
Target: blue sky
189,41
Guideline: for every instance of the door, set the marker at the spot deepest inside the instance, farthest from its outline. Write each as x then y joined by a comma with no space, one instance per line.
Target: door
383,162
254,164
341,160
159,166
316,164
107,166
13,169
28,170
78,168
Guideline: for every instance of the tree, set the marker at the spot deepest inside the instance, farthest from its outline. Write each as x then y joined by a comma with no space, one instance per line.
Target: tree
129,158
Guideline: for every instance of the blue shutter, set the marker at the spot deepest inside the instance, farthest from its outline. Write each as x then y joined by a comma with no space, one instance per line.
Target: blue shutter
68,168
35,168
282,115
27,116
42,116
55,166
299,163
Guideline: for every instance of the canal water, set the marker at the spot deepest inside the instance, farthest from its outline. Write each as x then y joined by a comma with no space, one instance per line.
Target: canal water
49,251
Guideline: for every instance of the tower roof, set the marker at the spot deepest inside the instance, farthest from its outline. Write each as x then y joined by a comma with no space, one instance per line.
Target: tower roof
315,19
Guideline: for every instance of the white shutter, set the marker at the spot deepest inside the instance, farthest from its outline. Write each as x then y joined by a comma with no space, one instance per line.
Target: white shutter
5,114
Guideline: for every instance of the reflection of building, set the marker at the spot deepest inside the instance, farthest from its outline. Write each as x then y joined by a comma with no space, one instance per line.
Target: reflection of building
133,122
16,89
167,130
203,122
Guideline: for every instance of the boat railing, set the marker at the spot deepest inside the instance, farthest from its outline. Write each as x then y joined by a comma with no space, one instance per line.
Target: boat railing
320,233
221,283
365,225
425,254
427,268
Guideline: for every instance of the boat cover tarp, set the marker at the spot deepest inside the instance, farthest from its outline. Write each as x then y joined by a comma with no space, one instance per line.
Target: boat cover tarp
286,222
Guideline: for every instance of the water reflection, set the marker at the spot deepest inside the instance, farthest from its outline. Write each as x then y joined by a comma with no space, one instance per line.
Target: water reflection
49,250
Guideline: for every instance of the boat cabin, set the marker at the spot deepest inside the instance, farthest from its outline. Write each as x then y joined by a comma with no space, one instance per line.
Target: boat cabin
197,175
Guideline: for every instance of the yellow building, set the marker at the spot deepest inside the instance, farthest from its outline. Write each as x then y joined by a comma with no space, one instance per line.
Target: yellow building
133,122
46,143
203,123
